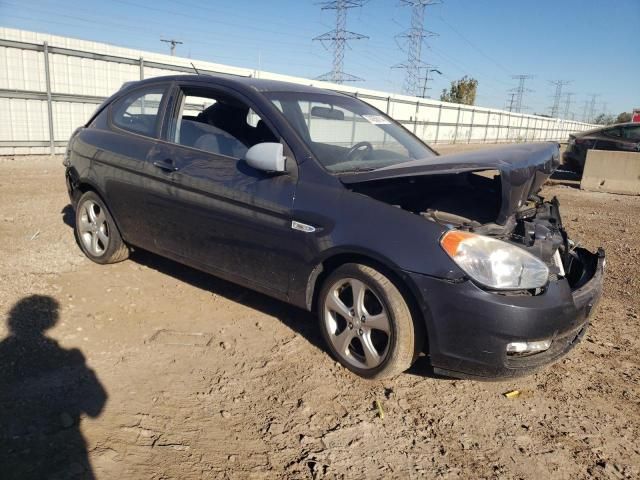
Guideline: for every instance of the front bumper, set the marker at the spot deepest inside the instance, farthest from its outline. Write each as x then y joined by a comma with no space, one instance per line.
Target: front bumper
469,328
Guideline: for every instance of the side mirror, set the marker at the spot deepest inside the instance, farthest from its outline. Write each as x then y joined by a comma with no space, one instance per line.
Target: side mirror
267,156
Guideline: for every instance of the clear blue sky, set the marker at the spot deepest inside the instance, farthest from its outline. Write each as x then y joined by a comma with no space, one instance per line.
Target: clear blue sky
595,44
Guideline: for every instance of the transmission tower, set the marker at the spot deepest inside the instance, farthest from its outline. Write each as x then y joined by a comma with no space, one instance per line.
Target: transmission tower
338,38
604,107
555,108
173,45
592,106
585,111
567,104
520,90
414,38
510,101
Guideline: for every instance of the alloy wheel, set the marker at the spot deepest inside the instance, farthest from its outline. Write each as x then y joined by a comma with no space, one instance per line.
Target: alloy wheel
357,322
93,228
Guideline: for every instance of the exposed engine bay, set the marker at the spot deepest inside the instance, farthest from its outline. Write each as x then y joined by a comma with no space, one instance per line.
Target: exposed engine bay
473,201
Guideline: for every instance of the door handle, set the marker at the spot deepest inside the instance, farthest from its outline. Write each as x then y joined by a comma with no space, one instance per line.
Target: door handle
166,166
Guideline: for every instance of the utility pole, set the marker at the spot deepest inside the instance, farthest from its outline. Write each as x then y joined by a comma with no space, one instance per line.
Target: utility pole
338,38
414,38
428,69
567,104
555,108
520,90
173,45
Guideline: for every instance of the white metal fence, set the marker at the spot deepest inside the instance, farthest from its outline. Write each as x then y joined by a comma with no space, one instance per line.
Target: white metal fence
49,85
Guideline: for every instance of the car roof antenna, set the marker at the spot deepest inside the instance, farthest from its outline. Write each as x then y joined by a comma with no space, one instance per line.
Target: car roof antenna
194,67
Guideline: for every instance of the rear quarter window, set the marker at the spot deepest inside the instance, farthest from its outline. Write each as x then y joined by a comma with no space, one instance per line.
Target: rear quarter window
138,112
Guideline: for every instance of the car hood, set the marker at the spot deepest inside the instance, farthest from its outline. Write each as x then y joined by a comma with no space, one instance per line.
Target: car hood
523,169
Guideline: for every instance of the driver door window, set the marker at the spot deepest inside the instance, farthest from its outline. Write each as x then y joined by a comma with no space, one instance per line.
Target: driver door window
217,123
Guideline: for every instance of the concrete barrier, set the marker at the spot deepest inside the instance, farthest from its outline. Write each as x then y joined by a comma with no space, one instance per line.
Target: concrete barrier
613,172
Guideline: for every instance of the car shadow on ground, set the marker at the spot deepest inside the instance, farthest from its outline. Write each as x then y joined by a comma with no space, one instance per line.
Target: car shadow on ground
298,320
44,392
566,177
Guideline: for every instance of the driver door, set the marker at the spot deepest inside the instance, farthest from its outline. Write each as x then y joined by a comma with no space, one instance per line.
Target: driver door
222,214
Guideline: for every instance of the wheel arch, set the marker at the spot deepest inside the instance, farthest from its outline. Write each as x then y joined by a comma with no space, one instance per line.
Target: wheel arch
85,185
402,281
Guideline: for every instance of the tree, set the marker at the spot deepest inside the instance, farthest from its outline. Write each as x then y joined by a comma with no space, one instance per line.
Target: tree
604,119
461,91
624,117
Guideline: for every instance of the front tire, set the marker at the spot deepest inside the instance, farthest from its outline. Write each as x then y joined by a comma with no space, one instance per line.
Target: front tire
96,232
367,323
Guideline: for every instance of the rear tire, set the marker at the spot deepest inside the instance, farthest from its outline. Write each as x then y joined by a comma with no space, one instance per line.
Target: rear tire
96,232
367,323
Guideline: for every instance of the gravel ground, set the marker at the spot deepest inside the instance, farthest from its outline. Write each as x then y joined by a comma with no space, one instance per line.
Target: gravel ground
147,369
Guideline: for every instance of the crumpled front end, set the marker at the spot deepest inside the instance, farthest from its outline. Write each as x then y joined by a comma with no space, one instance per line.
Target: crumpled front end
488,321
471,329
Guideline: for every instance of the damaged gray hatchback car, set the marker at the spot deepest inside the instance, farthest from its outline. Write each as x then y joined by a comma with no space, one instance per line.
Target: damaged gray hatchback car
320,200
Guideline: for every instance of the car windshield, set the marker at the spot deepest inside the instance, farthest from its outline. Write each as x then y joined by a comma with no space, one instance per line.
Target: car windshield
346,134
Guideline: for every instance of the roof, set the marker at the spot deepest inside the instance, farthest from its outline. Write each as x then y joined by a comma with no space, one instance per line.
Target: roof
258,84
604,127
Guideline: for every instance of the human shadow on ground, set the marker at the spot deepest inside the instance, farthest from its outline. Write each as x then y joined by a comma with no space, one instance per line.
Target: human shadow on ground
44,392
68,216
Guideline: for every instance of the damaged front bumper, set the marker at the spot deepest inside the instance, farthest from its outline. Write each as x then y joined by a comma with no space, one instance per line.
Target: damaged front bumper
469,328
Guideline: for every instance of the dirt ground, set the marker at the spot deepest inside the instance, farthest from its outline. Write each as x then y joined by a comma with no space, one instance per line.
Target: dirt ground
148,369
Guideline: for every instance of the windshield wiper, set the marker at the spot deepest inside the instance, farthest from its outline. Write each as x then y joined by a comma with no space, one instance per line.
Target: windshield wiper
356,170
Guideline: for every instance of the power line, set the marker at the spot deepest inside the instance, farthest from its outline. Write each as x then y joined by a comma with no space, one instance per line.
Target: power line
555,108
520,90
209,33
181,13
415,37
474,46
173,43
338,38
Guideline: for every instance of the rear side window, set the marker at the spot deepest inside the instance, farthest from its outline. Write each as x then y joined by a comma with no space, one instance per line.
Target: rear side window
138,111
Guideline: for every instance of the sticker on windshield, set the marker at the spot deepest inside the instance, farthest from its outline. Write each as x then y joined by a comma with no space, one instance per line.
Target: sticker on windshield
376,119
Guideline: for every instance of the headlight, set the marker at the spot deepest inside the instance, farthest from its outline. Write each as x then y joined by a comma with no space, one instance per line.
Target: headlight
494,263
